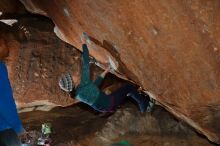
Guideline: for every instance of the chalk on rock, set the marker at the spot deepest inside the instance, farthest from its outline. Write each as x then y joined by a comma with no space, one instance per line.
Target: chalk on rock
85,37
112,64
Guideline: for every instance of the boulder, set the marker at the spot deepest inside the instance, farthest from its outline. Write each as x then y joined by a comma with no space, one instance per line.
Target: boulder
171,48
37,59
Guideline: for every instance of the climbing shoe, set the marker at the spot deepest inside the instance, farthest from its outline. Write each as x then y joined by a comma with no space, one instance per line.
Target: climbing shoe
66,82
150,105
143,104
141,100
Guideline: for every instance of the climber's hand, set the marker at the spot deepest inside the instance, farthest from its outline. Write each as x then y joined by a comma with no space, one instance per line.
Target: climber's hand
106,71
85,38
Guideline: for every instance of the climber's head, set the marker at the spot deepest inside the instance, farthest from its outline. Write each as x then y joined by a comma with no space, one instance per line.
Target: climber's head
4,50
68,82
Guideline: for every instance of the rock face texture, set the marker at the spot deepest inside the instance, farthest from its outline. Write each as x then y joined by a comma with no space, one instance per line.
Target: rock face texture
42,58
11,6
37,59
82,127
171,48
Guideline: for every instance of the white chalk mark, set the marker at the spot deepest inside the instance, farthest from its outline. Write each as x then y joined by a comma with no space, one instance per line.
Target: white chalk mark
98,64
116,48
85,37
154,31
151,95
112,64
215,49
66,12
9,21
61,35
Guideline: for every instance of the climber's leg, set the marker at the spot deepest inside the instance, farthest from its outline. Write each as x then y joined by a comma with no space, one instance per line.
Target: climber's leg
130,90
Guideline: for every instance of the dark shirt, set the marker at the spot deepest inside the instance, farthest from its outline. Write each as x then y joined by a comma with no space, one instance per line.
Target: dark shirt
88,91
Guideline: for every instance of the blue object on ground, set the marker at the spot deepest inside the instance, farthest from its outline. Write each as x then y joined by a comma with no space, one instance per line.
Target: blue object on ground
9,137
8,113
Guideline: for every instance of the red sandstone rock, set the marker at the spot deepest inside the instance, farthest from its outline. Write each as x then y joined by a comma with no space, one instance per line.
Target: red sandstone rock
11,6
37,59
169,47
35,64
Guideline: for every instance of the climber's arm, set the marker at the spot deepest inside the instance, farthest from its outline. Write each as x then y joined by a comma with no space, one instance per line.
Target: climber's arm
100,78
85,76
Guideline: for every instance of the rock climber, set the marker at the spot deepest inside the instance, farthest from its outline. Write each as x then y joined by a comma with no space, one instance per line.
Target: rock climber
10,124
87,91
